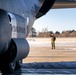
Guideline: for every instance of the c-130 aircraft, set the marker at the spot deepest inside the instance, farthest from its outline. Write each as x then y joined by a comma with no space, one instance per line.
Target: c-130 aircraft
16,20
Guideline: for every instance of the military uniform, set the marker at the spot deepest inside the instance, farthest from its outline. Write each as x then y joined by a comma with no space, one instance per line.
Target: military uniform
53,38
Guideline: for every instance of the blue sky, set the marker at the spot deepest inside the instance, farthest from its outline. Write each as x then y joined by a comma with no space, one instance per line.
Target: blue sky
57,20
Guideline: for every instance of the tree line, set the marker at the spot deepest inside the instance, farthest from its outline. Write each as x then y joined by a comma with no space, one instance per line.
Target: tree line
67,33
46,33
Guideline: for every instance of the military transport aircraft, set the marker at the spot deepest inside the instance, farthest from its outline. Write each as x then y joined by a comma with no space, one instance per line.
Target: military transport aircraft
16,20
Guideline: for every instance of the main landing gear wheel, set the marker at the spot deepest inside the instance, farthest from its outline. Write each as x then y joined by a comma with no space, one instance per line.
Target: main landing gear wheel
7,68
18,65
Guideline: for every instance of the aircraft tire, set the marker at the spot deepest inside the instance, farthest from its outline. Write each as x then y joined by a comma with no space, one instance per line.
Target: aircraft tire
18,65
7,68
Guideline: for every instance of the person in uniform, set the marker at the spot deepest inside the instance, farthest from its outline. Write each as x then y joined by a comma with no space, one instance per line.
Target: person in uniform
53,38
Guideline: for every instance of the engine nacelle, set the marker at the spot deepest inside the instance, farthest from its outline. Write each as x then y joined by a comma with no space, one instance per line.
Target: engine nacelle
21,49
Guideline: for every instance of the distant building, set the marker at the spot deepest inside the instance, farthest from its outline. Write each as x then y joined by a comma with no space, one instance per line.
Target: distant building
32,32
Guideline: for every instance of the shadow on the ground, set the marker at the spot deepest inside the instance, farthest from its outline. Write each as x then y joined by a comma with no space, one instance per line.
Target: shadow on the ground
50,65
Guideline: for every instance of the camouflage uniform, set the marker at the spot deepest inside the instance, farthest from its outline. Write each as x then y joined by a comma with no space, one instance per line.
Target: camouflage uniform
53,38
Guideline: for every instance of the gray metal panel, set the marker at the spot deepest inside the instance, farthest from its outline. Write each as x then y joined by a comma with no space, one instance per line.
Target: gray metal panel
5,31
14,6
19,7
24,8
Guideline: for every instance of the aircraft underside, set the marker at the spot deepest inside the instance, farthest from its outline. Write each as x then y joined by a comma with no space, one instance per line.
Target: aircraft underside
15,24
13,47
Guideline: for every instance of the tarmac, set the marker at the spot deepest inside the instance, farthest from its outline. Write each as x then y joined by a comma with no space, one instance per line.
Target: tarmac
45,61
47,68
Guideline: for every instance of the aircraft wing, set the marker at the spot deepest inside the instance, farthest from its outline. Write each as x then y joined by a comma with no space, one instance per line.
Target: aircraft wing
64,4
46,6
55,4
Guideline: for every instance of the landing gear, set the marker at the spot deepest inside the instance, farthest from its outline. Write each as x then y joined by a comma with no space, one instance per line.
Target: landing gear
18,64
7,65
10,67
13,48
7,68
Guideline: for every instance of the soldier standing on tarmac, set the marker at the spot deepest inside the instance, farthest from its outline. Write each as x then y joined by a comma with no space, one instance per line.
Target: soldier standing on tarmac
53,38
